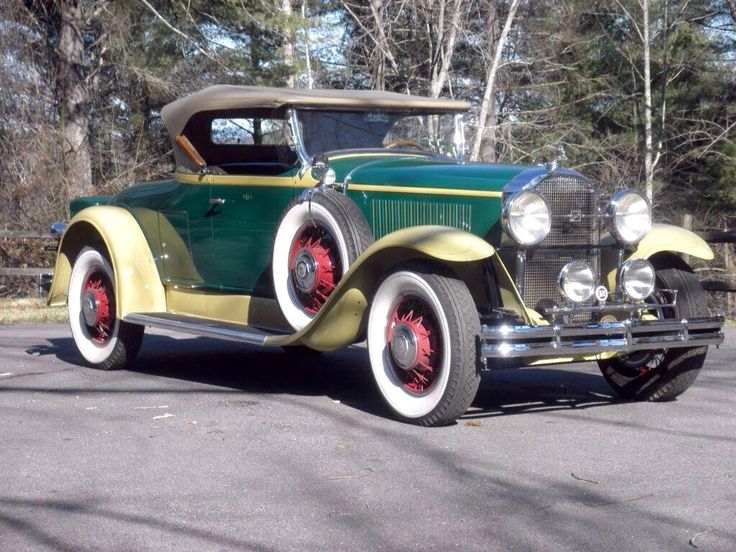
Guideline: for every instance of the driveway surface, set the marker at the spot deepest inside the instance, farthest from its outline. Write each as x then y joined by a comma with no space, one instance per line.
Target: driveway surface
208,445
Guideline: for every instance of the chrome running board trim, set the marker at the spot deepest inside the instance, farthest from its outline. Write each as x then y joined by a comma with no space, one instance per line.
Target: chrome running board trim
201,326
624,336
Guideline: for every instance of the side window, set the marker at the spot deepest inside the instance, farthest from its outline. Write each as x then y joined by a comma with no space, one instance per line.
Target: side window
247,144
249,131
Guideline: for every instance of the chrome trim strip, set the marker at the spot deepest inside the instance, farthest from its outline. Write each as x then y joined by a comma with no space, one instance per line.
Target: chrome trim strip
459,138
613,307
207,328
301,151
626,336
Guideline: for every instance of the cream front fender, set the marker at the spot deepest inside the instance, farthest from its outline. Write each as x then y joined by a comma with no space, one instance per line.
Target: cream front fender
342,319
666,238
138,286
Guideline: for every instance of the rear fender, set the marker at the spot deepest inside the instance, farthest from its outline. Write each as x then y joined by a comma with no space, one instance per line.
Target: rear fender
115,231
342,319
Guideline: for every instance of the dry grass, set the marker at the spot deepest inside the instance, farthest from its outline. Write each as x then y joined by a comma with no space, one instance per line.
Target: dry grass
18,311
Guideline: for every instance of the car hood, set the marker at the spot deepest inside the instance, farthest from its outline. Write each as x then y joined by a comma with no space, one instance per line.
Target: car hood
422,171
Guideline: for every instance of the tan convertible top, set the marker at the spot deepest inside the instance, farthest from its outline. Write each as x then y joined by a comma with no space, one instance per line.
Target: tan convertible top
176,114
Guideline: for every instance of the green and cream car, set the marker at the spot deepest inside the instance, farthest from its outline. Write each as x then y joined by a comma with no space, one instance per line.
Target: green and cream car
315,219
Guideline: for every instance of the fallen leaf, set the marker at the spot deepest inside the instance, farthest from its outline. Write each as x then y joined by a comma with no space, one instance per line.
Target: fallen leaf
692,540
473,423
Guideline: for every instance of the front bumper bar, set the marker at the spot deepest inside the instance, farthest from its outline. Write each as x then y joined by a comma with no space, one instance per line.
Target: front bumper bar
624,336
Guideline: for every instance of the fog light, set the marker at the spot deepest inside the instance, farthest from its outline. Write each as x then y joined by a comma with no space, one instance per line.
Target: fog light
637,279
577,281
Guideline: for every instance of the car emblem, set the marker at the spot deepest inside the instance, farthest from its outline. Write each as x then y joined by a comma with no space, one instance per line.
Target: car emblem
601,293
576,215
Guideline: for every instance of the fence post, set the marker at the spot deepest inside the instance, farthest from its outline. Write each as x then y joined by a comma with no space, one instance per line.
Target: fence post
728,265
687,223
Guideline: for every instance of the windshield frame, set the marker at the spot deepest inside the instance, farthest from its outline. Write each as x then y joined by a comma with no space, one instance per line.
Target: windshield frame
304,158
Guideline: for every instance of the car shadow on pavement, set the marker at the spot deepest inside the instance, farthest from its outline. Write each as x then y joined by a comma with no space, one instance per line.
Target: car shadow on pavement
344,376
511,391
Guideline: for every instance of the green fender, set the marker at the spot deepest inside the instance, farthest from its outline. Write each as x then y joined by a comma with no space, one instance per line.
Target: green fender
342,319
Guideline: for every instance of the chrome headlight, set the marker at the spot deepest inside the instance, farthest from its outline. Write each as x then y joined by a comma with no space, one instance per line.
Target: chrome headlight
577,281
637,279
631,216
527,218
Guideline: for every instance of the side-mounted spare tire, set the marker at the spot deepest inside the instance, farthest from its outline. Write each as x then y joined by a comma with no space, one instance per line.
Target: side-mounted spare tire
316,242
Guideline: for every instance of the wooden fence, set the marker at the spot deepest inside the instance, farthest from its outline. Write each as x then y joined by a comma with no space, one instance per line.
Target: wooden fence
44,274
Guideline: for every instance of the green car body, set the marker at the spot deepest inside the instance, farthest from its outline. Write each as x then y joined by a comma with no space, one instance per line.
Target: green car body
231,245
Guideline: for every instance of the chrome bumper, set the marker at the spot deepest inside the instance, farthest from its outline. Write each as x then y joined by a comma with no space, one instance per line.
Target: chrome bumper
624,336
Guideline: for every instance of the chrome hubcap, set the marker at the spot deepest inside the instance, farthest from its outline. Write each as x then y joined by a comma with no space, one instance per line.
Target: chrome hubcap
90,308
305,271
403,346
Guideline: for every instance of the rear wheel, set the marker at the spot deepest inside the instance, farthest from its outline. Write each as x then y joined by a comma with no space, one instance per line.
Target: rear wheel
316,242
104,341
422,332
664,374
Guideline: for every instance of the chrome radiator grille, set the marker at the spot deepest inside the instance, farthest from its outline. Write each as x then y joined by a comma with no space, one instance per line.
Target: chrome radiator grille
575,234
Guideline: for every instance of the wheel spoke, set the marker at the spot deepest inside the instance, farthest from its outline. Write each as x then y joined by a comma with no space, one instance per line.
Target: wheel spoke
411,338
98,306
314,267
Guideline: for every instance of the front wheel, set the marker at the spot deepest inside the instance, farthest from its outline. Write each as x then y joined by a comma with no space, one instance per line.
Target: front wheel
422,332
664,374
104,341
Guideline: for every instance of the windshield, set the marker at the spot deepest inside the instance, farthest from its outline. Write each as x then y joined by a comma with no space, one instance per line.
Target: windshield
324,131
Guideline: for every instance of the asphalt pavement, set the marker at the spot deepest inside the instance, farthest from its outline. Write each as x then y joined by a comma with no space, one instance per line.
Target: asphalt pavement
207,445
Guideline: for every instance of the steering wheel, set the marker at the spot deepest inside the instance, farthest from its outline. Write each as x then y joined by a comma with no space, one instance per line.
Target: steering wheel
403,142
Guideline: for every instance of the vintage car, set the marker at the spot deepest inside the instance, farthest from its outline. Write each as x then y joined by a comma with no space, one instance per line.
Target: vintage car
314,219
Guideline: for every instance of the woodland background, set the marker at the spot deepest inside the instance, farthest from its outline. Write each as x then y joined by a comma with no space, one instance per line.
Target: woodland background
639,93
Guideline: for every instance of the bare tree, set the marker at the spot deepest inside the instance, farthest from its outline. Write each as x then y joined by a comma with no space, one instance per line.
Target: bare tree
74,97
497,47
649,162
442,46
289,47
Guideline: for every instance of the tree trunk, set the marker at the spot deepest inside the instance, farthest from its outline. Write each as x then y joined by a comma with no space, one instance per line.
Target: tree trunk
307,55
445,47
486,104
73,99
289,57
648,153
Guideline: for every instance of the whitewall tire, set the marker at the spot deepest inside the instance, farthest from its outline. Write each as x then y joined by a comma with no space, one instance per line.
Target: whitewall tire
422,332
103,341
315,244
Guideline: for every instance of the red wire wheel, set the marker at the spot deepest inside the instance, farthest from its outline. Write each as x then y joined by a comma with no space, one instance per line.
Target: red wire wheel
413,341
98,306
314,266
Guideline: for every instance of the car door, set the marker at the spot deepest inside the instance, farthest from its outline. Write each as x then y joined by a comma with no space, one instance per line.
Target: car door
250,198
176,217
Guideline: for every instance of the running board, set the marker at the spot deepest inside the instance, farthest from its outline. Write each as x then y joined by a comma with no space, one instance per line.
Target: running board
202,326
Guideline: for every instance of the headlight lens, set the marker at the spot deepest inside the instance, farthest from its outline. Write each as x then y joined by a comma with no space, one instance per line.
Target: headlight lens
637,279
577,281
632,216
527,218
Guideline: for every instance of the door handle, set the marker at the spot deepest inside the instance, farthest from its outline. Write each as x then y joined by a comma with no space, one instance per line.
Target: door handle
217,201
